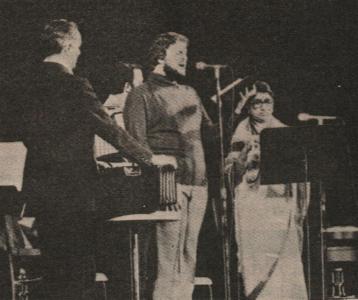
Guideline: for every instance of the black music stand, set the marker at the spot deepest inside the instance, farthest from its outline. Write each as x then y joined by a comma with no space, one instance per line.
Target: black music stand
299,154
304,154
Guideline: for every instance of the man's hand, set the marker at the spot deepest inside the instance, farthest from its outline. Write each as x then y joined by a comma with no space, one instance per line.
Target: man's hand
102,165
164,160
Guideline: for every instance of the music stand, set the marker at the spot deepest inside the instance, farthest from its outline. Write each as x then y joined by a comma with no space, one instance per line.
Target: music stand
303,154
300,154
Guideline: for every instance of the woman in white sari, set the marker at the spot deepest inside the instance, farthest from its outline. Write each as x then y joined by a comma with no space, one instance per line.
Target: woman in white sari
268,218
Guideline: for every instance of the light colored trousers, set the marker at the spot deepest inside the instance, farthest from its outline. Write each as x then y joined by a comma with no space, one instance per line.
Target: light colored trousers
177,246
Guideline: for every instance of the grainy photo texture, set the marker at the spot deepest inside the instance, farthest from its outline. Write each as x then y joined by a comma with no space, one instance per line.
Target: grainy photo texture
178,150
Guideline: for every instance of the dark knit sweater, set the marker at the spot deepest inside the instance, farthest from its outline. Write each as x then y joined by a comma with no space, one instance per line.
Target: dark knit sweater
168,117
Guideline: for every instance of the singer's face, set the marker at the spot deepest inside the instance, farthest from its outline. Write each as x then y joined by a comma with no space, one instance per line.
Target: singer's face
72,48
176,57
261,107
137,77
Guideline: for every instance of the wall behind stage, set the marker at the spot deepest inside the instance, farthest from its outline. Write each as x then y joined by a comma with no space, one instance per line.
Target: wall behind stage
305,49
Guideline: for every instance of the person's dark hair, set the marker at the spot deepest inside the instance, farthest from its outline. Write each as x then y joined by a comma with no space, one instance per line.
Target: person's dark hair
160,44
261,87
111,78
54,33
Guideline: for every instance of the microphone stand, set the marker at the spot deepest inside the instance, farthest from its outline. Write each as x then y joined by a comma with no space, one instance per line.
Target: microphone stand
223,194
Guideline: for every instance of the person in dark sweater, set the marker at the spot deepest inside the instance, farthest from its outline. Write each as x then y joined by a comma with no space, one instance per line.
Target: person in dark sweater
168,117
61,118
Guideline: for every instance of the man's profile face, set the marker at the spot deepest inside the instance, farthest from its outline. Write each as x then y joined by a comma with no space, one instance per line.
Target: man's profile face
73,48
137,77
176,57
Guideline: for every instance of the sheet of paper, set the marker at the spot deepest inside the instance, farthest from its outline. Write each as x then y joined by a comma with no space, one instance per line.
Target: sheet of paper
12,163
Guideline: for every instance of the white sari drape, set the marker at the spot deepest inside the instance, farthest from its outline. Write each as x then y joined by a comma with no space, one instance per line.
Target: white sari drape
268,223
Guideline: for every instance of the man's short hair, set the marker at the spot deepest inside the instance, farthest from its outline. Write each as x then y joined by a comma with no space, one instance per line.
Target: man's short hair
124,72
54,33
161,43
111,78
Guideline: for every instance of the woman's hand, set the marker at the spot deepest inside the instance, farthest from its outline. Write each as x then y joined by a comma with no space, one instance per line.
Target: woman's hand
230,159
237,157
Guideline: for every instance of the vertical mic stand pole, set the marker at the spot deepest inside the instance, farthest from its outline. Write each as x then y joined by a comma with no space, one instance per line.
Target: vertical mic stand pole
223,194
322,221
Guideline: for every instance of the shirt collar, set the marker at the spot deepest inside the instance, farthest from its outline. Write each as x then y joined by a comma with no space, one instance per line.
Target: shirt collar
59,62
162,80
58,65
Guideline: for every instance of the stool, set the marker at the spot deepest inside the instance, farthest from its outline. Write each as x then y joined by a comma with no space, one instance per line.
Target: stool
205,281
341,249
133,221
341,232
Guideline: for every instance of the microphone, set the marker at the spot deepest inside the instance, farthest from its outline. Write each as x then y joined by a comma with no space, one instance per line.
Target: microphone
203,66
320,119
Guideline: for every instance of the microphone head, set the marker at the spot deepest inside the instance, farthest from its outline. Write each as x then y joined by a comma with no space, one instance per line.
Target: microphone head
303,117
200,65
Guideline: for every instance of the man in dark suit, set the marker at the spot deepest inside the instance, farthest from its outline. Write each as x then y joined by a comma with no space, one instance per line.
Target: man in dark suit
61,118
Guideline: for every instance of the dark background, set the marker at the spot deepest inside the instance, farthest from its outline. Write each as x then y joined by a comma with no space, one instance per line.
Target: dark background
306,50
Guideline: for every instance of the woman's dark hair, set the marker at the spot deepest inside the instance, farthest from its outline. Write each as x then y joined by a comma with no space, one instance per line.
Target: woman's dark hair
54,33
160,44
263,87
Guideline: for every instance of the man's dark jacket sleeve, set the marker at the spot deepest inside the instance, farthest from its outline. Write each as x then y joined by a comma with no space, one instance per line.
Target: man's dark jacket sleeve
135,115
107,129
